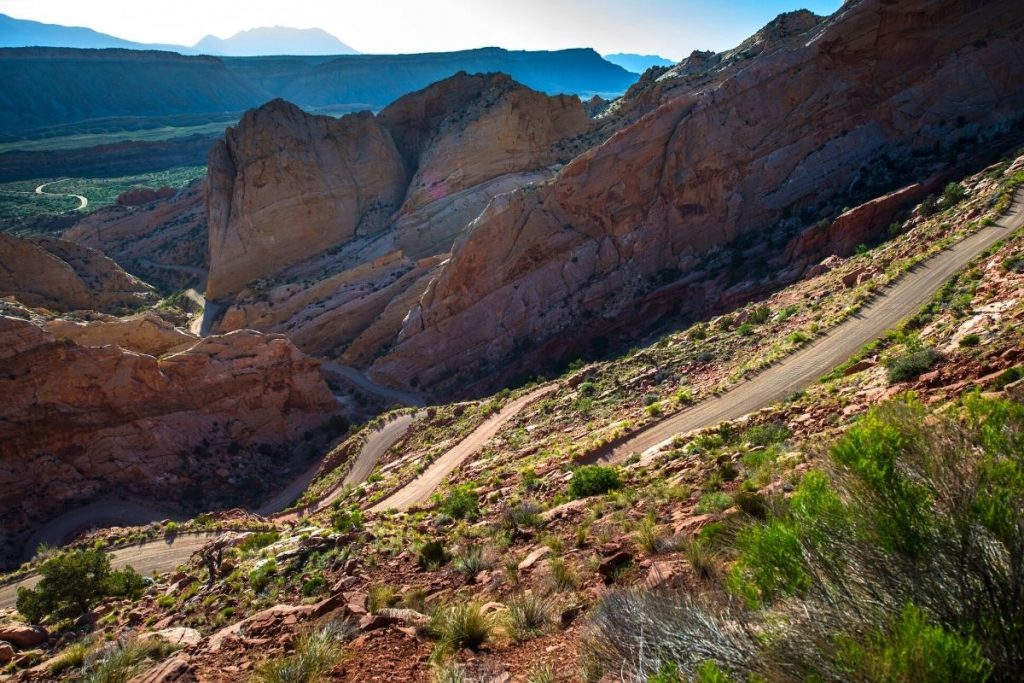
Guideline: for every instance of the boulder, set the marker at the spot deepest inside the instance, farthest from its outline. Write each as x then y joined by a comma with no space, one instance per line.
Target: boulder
22,635
174,670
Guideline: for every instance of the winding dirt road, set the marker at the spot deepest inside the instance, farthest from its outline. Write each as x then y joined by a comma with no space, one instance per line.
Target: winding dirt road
806,366
895,303
356,377
155,556
419,489
82,201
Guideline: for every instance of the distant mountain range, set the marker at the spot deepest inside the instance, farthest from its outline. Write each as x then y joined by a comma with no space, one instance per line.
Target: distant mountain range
637,63
44,86
267,40
274,40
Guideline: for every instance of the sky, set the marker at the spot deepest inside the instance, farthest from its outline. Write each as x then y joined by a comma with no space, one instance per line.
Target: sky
671,28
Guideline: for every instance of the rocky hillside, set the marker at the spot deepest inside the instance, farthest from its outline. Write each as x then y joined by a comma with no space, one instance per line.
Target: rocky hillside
140,410
723,173
525,565
329,229
62,276
165,241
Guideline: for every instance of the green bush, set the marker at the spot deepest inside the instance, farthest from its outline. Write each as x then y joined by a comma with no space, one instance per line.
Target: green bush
258,540
347,520
460,503
760,315
953,194
463,625
432,554
314,586
911,364
262,575
592,480
766,434
314,656
969,340
72,582
913,649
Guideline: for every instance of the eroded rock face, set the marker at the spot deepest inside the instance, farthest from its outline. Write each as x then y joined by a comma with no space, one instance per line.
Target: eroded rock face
845,112
202,424
459,142
284,186
143,333
164,241
62,276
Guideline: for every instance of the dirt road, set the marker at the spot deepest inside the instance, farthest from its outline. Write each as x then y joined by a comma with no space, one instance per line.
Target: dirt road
806,366
404,398
82,201
418,490
156,556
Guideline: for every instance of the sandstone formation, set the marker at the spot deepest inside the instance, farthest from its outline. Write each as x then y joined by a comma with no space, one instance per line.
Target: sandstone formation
143,333
84,417
335,228
163,241
874,98
63,276
285,186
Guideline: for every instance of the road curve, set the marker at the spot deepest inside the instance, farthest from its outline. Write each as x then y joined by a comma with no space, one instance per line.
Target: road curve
82,201
405,398
376,445
419,489
803,368
154,556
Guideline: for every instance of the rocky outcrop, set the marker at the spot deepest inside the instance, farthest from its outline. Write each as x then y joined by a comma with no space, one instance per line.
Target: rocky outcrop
163,241
341,292
56,274
205,425
285,186
880,94
142,333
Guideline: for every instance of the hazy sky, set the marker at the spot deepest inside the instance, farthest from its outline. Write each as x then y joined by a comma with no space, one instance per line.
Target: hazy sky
672,28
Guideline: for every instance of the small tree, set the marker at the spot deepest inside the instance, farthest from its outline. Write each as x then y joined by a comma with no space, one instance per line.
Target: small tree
71,584
591,480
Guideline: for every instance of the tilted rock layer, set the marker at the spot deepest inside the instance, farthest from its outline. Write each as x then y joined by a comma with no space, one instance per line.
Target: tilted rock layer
330,230
84,418
163,241
845,110
62,276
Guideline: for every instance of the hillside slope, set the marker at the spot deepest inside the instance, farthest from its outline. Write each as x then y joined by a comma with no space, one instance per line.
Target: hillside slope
877,97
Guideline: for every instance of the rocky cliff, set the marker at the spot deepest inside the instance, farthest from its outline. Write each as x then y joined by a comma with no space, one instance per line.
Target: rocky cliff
285,186
320,227
830,114
90,408
63,276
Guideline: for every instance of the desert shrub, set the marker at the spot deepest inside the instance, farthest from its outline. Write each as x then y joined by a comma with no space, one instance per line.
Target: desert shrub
515,518
1014,264
315,655
432,554
897,565
698,332
969,340
460,503
381,596
953,194
347,520
592,480
766,434
120,662
258,540
760,315
702,558
529,615
314,586
563,577
914,649
469,560
462,625
745,330
713,501
261,576
1008,376
72,582
911,364
71,657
